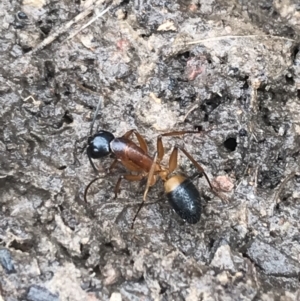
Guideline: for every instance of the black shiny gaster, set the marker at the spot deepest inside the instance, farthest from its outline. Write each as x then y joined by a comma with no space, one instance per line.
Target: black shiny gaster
185,200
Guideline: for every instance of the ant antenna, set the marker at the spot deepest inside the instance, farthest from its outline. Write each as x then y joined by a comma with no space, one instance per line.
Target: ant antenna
95,115
87,189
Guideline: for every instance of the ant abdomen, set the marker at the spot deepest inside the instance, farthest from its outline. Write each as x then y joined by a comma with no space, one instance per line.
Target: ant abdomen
184,198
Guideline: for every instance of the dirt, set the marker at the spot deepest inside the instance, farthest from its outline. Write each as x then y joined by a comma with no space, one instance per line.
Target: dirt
228,68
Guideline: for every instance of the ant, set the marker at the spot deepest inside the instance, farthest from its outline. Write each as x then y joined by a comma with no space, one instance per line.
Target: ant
182,194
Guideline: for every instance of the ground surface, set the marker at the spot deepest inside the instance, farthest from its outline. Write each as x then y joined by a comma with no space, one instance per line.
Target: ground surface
245,90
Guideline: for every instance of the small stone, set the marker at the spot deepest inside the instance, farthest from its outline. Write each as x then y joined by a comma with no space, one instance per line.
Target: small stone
38,293
6,261
22,15
223,183
111,274
272,261
115,297
223,278
167,26
121,14
222,259
16,51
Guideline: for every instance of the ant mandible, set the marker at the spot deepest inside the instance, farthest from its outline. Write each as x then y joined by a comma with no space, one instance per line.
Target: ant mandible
182,194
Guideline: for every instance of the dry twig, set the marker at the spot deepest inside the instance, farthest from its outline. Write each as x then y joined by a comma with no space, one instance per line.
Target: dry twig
213,39
68,25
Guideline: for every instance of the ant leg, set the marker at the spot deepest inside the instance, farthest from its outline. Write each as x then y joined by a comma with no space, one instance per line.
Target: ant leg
138,211
196,164
128,134
150,176
150,181
173,160
179,133
142,142
139,137
81,149
87,188
91,161
128,177
113,165
199,167
160,149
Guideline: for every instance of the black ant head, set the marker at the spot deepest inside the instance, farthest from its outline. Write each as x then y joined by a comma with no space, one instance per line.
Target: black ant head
99,145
